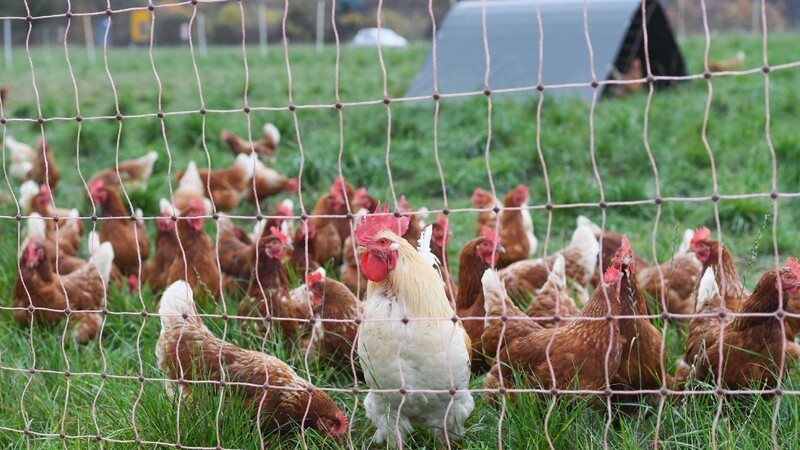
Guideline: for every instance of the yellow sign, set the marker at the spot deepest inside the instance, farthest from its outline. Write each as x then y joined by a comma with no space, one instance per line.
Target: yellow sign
140,26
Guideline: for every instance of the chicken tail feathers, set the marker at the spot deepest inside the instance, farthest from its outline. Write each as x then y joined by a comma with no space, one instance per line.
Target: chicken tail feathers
494,293
36,226
273,132
584,221
686,243
147,161
177,305
558,274
247,163
103,258
584,248
707,290
27,192
424,247
192,177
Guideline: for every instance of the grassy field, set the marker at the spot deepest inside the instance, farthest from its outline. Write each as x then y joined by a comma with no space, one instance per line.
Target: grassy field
123,409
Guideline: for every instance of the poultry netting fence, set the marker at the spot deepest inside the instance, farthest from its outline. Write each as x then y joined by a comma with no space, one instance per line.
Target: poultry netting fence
177,358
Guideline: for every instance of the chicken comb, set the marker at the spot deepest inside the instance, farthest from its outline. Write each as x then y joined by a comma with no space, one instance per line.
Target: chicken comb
612,274
97,185
338,187
31,250
701,234
291,185
379,221
488,233
360,193
342,428
284,210
625,247
278,234
133,282
45,190
524,189
794,265
442,219
313,277
196,207
403,204
477,198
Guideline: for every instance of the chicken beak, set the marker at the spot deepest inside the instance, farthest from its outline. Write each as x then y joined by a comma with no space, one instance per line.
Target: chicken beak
288,247
360,251
500,249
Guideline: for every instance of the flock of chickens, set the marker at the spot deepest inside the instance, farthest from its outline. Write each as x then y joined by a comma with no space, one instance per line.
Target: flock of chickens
576,319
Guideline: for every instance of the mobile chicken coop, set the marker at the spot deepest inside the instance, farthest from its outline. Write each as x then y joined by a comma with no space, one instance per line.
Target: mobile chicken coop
615,29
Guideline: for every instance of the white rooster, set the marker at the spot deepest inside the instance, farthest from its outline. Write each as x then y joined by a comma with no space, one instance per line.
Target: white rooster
408,341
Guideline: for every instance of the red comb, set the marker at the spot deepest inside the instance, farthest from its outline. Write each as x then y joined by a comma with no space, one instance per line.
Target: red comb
360,193
278,234
97,184
403,205
31,249
342,428
489,234
612,274
794,265
625,247
291,185
44,189
379,221
477,197
524,189
314,277
133,282
442,219
196,206
284,210
701,234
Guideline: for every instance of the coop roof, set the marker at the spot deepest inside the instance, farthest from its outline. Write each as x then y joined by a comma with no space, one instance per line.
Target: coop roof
615,30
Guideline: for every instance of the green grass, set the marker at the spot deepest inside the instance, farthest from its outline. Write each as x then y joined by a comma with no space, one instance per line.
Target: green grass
736,135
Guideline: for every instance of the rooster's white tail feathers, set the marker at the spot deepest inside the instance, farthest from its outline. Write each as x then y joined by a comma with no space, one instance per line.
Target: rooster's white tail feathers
424,247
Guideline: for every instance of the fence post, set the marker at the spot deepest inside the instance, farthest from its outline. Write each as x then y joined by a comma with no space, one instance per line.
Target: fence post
320,23
88,35
201,34
262,27
7,43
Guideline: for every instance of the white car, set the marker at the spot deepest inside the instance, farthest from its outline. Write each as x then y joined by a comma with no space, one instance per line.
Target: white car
369,37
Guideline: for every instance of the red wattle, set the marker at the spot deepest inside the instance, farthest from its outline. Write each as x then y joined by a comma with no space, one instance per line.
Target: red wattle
374,268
